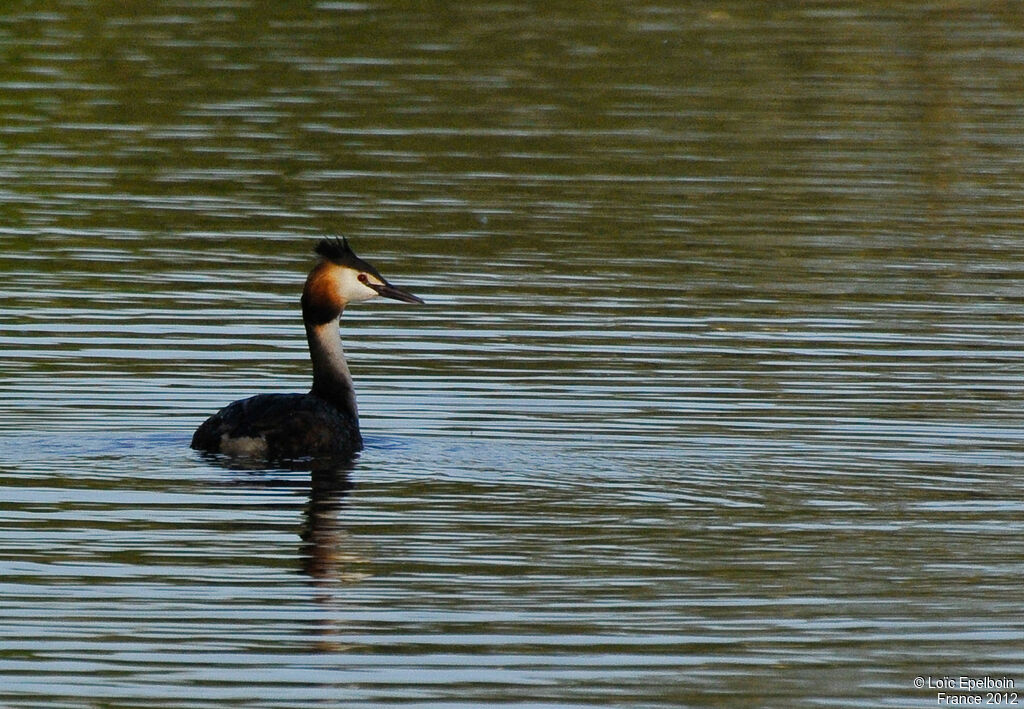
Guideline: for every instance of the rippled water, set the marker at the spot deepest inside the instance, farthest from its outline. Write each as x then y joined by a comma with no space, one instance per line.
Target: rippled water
715,400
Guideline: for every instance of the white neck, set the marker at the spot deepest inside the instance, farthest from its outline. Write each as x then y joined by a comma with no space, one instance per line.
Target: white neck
331,378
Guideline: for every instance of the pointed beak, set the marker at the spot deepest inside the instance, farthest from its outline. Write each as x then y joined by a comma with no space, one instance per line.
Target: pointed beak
389,291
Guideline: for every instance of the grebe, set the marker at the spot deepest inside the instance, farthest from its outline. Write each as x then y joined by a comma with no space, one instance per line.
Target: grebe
324,421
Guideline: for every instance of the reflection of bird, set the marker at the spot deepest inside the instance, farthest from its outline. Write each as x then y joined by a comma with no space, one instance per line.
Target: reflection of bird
324,421
329,554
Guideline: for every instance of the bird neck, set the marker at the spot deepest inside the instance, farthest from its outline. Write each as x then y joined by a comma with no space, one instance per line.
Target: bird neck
331,379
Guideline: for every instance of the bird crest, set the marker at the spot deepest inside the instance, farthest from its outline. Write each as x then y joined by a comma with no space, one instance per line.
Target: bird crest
336,249
338,252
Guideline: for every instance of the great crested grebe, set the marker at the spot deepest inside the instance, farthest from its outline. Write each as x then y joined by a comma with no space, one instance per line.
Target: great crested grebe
324,421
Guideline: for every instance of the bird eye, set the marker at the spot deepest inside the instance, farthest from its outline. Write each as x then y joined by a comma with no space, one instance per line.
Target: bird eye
363,278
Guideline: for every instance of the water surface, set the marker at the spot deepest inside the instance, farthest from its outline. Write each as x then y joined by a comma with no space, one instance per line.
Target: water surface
715,400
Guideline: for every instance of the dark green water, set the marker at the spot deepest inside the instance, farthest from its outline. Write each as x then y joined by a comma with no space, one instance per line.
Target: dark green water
716,399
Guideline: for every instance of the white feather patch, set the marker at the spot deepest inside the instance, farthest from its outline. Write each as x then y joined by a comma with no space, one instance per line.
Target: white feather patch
243,446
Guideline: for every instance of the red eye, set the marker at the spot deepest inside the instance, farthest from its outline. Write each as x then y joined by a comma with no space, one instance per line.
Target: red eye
363,278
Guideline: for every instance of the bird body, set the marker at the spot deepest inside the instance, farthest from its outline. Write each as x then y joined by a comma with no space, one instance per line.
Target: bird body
279,426
324,421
